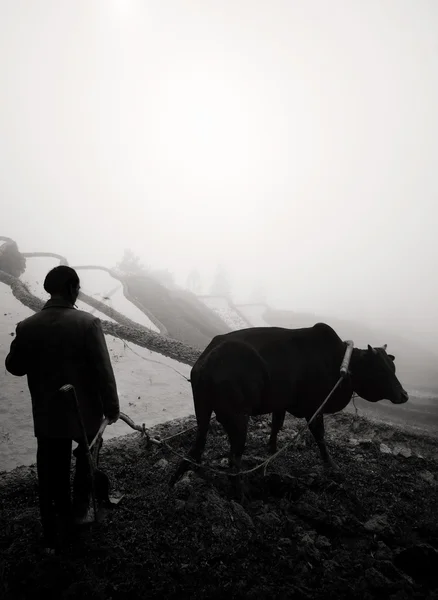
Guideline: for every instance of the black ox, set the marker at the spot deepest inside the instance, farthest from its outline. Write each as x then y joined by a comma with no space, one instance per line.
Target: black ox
275,370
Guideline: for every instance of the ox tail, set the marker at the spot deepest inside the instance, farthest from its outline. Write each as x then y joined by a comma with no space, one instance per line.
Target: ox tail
203,412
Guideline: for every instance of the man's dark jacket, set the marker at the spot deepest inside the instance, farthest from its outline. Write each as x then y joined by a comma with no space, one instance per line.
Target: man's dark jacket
61,345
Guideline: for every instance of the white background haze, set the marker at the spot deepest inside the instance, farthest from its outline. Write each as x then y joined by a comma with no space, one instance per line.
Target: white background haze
295,142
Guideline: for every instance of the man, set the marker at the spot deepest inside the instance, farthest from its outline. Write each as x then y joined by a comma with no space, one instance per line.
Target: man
56,346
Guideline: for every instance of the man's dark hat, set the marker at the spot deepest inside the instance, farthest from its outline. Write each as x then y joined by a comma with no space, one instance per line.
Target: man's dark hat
59,278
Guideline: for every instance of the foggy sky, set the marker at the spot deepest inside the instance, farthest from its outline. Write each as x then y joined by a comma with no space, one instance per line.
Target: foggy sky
296,142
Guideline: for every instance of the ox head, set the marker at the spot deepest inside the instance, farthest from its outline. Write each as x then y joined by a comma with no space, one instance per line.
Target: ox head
375,378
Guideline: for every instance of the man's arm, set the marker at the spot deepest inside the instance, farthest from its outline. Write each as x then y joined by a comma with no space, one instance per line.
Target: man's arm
17,359
99,354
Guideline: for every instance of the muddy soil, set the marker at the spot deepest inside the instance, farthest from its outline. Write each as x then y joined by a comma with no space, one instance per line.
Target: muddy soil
369,531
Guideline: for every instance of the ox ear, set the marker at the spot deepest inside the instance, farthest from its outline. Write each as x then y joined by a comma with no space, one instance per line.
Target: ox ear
391,357
385,346
371,349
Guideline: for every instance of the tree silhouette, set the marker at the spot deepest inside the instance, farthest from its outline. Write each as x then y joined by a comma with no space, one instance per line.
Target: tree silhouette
131,265
11,259
194,282
221,284
258,294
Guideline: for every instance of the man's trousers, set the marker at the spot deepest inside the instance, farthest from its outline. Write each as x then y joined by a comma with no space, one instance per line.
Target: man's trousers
53,467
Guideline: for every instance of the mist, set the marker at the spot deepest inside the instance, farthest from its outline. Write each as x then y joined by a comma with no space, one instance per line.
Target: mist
293,142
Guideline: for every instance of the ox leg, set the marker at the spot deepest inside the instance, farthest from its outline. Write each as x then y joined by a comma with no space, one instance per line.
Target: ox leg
236,427
317,430
277,423
197,449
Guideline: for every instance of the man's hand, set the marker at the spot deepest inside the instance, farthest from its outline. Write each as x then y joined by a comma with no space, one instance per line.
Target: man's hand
113,419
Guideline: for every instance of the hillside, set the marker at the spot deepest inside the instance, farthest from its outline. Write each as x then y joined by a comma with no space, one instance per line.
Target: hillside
183,315
226,311
254,314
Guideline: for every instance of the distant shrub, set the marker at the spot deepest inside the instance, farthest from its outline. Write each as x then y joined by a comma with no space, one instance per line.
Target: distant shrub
11,260
130,264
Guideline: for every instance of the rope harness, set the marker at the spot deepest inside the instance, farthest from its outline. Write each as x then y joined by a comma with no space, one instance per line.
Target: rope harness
163,443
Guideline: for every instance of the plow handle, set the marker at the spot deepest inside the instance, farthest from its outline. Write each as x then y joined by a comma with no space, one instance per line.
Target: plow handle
70,388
